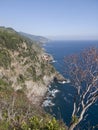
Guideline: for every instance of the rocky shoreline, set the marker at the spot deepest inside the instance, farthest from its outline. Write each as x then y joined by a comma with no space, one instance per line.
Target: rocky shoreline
38,94
56,77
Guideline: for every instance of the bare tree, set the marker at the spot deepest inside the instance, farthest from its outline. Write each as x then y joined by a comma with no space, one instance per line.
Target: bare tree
82,70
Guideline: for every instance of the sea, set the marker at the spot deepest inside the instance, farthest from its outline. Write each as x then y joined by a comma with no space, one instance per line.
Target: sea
59,100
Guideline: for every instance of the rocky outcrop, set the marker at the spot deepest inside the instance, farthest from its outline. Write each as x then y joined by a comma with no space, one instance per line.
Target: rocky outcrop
59,77
22,65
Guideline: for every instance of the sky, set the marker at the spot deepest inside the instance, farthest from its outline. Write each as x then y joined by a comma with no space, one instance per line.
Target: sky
58,19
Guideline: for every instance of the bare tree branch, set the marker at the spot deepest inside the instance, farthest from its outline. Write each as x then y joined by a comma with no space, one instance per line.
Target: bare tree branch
83,72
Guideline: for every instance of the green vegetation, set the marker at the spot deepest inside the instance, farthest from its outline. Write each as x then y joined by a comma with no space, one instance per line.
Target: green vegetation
20,61
5,59
33,123
3,83
20,79
9,39
17,113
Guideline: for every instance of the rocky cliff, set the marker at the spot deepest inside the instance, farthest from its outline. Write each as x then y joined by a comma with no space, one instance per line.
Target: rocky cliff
22,66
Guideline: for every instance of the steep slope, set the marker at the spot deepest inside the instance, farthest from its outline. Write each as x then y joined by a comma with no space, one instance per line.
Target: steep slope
22,65
24,76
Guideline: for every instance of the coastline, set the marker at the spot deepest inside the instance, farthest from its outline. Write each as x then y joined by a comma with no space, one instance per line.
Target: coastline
58,77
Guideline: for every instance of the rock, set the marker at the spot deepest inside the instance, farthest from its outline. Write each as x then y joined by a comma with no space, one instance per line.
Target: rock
59,77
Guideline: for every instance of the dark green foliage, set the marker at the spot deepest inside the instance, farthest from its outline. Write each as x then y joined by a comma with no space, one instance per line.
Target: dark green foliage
32,71
4,125
5,59
10,40
52,69
21,78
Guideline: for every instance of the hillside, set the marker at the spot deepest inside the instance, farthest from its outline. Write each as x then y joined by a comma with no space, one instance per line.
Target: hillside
38,39
24,77
22,65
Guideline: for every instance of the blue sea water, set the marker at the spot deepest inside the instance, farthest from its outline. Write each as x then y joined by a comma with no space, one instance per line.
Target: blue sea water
64,98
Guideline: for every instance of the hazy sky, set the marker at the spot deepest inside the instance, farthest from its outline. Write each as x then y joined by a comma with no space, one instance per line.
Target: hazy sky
63,18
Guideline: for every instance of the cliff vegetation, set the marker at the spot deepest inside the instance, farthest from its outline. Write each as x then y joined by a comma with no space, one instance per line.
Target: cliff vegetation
24,76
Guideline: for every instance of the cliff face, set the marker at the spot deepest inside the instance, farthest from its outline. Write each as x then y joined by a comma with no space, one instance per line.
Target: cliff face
22,66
